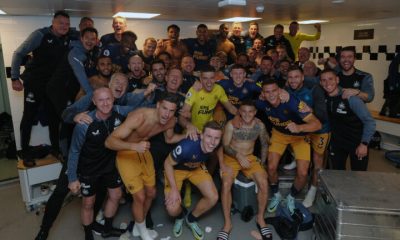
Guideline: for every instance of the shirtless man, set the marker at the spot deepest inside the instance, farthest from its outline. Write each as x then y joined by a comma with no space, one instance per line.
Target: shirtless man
134,160
102,78
223,43
238,156
173,45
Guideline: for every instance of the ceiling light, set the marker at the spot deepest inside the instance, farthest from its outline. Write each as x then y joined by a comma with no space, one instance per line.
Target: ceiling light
312,21
2,12
136,15
239,19
231,3
338,1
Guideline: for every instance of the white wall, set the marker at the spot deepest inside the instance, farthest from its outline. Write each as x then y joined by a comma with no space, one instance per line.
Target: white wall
386,32
16,29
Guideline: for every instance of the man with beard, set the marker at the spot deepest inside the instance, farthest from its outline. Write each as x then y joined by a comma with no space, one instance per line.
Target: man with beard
173,45
102,78
353,81
157,76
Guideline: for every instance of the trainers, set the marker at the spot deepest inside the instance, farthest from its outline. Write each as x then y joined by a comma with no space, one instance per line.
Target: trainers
187,199
178,227
196,230
274,203
310,196
42,235
290,166
290,204
113,232
135,232
97,228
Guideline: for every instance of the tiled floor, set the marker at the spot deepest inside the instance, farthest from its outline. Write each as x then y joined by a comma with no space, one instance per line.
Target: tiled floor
16,223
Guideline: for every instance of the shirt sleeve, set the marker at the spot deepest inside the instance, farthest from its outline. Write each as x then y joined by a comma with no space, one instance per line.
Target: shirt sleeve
308,37
360,109
78,139
190,96
76,60
179,153
367,86
222,95
320,110
297,106
80,106
30,44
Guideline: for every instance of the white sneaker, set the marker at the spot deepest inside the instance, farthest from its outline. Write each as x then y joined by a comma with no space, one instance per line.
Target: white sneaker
100,217
290,166
152,233
310,196
144,234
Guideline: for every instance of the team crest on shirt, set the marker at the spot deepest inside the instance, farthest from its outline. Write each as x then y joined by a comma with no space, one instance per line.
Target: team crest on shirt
341,108
230,90
96,132
106,52
117,122
188,94
30,97
356,84
302,106
245,91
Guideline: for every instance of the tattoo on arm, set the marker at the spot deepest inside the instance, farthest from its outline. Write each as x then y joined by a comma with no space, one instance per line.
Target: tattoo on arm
264,139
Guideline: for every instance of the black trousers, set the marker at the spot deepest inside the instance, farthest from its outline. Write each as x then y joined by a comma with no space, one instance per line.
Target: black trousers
34,98
338,156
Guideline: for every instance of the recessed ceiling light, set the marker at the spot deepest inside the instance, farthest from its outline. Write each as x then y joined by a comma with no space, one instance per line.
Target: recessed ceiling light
239,19
2,12
312,21
338,1
137,15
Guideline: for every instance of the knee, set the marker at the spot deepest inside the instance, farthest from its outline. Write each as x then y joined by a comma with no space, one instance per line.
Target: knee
272,168
227,184
139,197
87,204
115,195
151,193
302,173
213,198
173,210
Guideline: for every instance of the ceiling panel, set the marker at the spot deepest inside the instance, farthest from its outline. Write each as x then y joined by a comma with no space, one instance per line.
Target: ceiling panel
276,11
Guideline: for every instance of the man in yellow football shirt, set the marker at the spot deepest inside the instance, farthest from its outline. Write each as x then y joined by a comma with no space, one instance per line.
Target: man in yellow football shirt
296,38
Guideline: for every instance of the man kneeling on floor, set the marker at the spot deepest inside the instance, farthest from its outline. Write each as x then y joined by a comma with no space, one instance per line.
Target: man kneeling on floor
186,161
238,148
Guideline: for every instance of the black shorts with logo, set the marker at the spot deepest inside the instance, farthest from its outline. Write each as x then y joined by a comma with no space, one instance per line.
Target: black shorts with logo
90,184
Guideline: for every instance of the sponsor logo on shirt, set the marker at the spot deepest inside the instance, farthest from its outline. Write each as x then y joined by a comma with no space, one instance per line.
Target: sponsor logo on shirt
97,132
